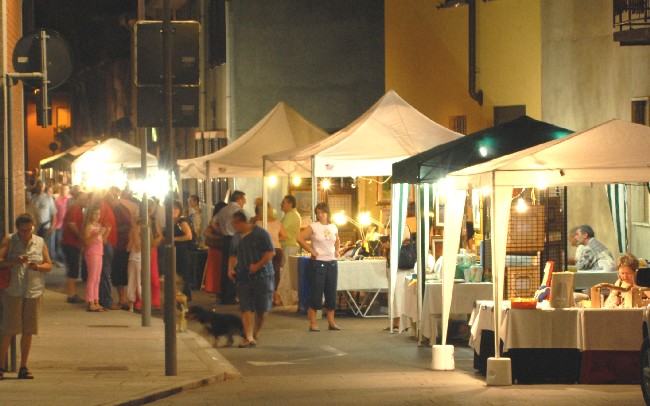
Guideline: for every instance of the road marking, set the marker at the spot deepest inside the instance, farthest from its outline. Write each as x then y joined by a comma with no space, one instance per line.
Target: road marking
333,353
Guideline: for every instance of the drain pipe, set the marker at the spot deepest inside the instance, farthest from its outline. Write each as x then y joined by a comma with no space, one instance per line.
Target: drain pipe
478,96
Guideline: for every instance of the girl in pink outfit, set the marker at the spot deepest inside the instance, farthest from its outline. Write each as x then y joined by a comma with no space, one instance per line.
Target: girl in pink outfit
94,239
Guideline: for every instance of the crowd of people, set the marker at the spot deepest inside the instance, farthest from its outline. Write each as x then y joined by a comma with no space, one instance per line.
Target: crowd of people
96,236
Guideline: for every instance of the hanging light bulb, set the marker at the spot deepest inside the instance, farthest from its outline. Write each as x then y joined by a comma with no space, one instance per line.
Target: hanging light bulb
326,184
340,218
273,180
522,206
296,181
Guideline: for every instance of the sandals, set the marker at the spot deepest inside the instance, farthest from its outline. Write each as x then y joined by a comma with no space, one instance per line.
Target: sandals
24,373
248,344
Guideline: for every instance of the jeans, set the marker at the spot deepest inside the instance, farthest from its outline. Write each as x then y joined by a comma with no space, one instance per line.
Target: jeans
322,278
58,254
105,286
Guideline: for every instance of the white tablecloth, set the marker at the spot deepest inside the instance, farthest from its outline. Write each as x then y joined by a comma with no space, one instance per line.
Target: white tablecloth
463,297
541,329
583,329
368,274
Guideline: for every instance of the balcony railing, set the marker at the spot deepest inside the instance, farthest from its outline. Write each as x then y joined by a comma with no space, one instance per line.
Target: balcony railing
631,20
629,14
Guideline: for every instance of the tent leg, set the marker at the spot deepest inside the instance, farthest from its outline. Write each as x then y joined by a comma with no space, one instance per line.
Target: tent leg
499,372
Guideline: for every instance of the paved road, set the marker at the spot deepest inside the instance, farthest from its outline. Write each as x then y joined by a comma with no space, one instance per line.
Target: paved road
362,364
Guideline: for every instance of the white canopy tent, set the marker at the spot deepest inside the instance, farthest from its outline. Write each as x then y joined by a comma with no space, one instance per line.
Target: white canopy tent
63,160
616,151
108,156
281,129
390,131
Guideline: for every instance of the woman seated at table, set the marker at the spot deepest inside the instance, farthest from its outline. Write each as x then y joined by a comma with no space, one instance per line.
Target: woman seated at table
627,265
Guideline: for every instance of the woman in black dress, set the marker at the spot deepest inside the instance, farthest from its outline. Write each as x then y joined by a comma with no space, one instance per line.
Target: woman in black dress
182,240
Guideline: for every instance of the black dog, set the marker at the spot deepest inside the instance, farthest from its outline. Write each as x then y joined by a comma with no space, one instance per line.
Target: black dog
218,324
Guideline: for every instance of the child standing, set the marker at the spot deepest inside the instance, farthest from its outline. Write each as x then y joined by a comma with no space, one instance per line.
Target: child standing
94,239
134,286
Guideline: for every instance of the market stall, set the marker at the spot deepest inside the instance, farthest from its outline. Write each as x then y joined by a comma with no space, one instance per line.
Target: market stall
580,340
605,156
62,162
281,129
390,131
433,165
109,164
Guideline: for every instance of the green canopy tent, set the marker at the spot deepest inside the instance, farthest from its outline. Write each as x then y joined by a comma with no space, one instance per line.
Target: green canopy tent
434,164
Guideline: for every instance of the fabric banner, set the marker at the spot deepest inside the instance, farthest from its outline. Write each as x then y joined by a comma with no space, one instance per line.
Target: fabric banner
399,204
454,210
617,196
501,203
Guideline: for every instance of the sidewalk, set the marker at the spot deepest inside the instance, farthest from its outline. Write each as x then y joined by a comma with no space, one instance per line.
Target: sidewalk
108,358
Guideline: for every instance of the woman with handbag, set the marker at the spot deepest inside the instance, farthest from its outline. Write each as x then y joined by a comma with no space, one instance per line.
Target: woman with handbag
214,240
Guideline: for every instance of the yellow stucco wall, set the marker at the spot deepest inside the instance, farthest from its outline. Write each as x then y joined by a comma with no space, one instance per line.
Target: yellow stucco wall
427,58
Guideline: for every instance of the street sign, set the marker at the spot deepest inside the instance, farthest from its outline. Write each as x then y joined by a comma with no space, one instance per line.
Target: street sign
151,107
149,69
27,58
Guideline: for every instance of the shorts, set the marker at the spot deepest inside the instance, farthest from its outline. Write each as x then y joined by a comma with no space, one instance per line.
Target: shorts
20,315
256,294
73,259
120,268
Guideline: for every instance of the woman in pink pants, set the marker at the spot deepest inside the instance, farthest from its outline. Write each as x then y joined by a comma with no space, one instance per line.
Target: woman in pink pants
94,239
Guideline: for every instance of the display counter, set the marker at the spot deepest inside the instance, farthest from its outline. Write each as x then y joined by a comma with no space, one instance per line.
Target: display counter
368,275
563,345
463,297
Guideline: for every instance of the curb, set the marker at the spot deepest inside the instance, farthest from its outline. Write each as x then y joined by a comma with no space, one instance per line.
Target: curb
208,355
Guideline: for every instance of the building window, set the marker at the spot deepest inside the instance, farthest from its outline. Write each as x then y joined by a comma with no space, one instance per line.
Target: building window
458,124
640,110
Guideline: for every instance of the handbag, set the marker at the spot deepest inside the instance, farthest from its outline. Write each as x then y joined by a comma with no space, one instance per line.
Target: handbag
407,254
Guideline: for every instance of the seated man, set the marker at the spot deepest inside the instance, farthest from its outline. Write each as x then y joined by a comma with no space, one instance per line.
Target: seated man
574,243
595,256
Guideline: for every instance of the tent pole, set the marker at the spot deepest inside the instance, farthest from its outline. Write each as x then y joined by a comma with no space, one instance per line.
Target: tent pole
495,273
265,196
499,370
314,187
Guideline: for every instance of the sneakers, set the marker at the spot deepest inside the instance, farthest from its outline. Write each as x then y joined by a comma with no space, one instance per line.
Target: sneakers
74,299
